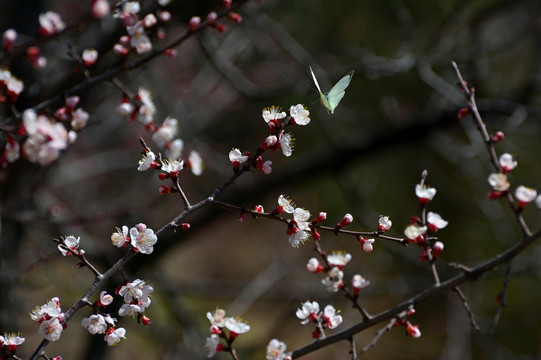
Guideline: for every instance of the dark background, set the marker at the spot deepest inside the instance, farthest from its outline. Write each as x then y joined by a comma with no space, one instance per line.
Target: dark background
398,117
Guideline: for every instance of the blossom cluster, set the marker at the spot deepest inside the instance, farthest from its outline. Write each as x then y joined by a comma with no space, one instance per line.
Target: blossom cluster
143,109
500,184
50,318
329,318
40,138
99,323
419,230
219,323
279,139
136,299
141,238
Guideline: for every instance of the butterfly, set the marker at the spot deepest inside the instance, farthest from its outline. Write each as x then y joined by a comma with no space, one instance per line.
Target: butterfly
333,97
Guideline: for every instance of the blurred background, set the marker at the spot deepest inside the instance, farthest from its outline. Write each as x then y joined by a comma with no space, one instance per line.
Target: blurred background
398,117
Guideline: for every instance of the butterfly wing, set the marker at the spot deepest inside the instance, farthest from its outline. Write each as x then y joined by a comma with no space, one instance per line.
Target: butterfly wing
322,97
337,92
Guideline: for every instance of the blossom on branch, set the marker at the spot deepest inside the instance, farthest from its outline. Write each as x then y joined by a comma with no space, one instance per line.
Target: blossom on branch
384,223
299,114
143,239
435,221
72,243
334,280
276,350
525,195
507,162
12,341
113,336
424,193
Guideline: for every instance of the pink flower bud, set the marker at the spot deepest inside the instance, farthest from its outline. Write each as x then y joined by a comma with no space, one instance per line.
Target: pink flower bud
211,17
171,53
259,209
235,17
413,330
120,50
242,217
145,321
462,113
322,216
100,8
89,56
124,39
315,235
314,266
269,142
194,22
498,137
366,244
72,102
221,28
164,189
10,36
358,282
164,16
437,249
346,220
185,226
149,21
227,3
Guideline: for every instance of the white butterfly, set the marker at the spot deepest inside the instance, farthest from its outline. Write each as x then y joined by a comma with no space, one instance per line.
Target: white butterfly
333,97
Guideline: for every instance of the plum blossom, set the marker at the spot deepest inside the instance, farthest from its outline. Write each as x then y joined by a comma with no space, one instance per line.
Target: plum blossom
366,244
264,167
413,330
358,283
525,195
237,158
79,119
45,139
338,259
334,280
236,326
95,324
113,336
12,341
217,318
174,149
414,232
276,350
301,227
424,193
51,329
299,114
136,298
507,162
308,312
120,237
384,223
105,299
143,238
166,132
213,345
314,265
9,36
89,56
330,317
195,162
12,85
273,114
72,243
51,310
285,205
172,167
435,221
498,181
147,110
286,143
146,161
50,23
100,8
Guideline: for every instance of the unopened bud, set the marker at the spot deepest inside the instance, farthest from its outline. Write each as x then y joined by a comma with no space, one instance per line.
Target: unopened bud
346,220
194,22
498,137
